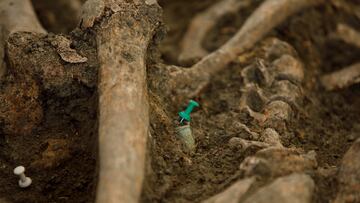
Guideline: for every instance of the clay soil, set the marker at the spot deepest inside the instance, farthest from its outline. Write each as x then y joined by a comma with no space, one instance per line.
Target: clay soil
61,153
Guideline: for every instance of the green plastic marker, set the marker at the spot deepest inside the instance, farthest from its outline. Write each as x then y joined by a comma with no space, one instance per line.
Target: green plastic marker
185,115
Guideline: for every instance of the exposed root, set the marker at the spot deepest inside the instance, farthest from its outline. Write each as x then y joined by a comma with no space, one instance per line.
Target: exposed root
342,78
190,82
191,46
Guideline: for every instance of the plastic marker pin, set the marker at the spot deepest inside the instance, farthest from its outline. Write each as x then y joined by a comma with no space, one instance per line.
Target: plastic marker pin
24,181
185,115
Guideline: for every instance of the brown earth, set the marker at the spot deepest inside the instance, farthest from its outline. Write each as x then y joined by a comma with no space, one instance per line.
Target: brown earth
61,152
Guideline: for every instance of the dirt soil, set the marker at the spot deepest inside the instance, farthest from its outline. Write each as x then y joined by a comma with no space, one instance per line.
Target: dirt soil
61,151
327,122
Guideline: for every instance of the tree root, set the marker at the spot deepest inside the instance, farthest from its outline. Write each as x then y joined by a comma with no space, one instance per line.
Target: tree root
190,82
191,46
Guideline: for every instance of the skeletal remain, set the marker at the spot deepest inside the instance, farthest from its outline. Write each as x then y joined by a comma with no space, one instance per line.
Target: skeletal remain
190,82
254,98
349,176
233,193
348,34
255,115
286,91
15,16
191,46
122,93
275,48
348,75
243,127
342,78
277,113
63,47
19,15
252,166
287,67
349,8
277,161
257,73
271,137
243,144
295,188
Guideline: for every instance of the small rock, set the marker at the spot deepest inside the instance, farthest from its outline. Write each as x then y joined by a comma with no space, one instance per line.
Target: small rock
295,188
233,193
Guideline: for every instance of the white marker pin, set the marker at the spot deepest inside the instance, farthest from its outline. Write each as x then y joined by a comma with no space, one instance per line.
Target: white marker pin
24,181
